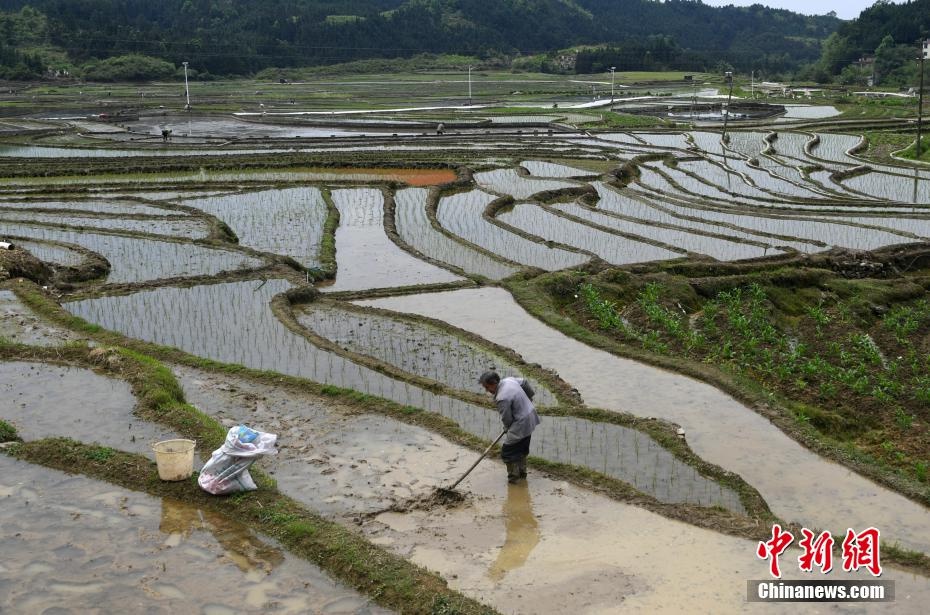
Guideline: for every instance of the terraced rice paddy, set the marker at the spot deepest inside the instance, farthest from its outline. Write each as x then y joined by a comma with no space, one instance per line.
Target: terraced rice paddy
136,259
287,222
365,256
415,348
433,245
461,214
415,228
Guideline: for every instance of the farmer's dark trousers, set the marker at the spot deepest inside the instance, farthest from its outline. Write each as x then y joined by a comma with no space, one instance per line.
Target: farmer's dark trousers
517,451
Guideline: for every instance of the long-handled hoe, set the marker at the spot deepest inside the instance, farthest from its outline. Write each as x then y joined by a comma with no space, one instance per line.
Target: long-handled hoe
450,492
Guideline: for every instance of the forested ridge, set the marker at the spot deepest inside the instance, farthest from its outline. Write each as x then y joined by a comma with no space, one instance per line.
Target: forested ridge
237,37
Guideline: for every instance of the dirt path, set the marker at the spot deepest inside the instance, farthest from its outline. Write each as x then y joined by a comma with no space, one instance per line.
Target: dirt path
545,547
719,429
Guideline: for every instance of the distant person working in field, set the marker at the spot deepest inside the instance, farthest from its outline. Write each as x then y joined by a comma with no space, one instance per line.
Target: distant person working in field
513,397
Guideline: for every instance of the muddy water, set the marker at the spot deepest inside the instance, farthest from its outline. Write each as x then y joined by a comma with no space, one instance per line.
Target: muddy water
72,544
20,324
797,484
232,323
542,546
413,347
47,401
365,256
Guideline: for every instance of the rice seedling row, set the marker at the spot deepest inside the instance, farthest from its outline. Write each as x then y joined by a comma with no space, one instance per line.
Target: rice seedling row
135,259
414,227
413,347
614,249
462,215
288,222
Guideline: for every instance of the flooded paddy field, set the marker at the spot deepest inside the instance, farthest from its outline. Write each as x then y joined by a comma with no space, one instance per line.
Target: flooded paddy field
135,259
826,494
461,214
415,228
365,255
187,228
249,334
87,544
415,217
31,389
288,222
417,348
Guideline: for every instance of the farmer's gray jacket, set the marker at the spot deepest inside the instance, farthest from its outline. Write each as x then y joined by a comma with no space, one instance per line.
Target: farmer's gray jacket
517,412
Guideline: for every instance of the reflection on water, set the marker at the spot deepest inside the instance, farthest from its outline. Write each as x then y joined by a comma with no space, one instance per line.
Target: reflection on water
242,547
73,544
522,532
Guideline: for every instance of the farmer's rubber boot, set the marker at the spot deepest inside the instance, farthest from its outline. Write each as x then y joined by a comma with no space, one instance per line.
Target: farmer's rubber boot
521,466
513,471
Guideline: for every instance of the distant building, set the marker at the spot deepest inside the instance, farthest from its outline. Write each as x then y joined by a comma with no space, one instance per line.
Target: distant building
926,49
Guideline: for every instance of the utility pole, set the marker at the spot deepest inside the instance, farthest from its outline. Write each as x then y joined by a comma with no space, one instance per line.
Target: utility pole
728,78
187,91
612,71
469,84
924,52
752,85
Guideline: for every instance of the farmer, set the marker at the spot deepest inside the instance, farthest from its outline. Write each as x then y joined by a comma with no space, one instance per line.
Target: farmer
513,398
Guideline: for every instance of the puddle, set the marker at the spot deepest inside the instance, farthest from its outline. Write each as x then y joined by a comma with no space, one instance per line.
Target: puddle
415,348
461,214
19,324
232,323
49,401
614,249
190,228
414,227
719,429
133,259
85,544
287,222
365,257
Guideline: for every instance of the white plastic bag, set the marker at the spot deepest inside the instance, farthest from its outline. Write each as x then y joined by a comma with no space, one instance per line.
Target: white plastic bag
228,468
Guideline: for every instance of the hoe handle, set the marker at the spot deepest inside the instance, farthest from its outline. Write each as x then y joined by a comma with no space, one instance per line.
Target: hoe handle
477,461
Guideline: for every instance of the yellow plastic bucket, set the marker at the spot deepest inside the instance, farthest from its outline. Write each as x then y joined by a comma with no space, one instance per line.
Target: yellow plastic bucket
174,458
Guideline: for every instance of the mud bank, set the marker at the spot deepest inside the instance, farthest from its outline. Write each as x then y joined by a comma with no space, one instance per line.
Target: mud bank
20,325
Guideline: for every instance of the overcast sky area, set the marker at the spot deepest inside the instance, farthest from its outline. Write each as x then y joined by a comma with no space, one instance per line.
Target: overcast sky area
845,9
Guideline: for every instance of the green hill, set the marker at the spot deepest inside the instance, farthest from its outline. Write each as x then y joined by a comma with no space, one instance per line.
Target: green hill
240,37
